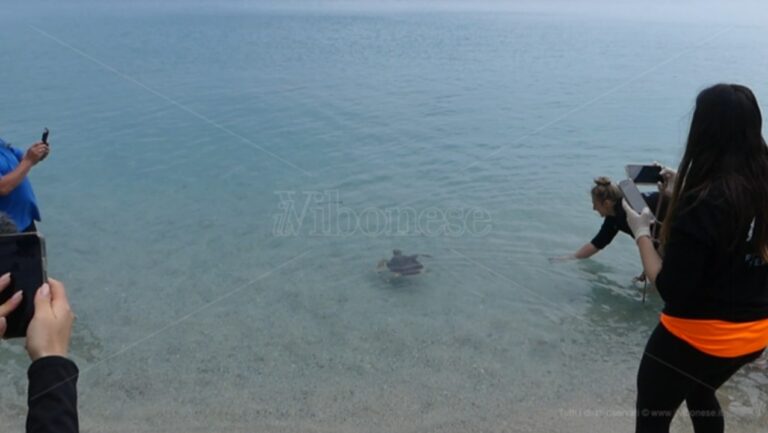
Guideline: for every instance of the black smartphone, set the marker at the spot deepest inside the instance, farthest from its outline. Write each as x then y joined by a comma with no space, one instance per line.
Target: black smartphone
644,173
632,195
23,255
45,135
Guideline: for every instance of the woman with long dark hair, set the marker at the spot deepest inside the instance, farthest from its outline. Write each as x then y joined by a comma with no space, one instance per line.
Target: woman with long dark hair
713,275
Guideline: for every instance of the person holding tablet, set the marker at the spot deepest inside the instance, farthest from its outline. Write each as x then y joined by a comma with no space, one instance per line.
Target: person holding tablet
52,392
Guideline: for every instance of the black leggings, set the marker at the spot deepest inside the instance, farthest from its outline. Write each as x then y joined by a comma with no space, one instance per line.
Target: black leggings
672,371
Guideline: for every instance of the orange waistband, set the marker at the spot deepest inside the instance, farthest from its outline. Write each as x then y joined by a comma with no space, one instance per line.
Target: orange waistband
718,337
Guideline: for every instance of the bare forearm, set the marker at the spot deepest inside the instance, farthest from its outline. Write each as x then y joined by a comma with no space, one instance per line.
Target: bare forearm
650,258
586,251
10,181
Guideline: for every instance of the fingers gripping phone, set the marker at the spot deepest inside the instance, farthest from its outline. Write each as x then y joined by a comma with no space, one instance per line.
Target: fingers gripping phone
644,174
23,255
632,195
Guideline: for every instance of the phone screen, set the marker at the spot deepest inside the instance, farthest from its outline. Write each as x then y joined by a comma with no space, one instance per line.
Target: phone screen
644,173
632,195
23,255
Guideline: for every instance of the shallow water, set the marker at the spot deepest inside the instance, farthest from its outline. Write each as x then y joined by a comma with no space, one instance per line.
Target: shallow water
208,162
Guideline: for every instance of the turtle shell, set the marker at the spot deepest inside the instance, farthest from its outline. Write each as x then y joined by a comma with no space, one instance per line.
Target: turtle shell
405,265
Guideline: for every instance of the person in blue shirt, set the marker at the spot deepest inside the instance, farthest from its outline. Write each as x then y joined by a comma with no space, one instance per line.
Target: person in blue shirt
17,199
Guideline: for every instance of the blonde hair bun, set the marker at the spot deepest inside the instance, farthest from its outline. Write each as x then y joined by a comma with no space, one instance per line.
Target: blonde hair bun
603,181
604,189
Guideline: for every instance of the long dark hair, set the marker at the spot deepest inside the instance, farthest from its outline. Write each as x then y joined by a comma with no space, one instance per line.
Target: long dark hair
726,151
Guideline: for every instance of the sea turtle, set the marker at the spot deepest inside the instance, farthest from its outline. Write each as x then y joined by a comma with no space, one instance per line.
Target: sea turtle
401,265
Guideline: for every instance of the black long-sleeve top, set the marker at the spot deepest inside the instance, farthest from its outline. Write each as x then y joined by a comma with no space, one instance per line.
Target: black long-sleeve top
612,225
702,276
52,396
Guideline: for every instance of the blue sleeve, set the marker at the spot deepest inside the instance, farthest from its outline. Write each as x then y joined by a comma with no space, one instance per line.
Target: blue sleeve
19,154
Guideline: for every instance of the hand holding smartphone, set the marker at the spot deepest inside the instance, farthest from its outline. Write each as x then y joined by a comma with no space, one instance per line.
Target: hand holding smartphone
644,174
632,195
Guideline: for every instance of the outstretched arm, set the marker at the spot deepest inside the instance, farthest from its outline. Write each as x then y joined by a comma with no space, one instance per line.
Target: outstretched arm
586,251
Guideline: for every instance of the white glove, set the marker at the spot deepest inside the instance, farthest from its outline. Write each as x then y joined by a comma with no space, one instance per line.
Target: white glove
639,223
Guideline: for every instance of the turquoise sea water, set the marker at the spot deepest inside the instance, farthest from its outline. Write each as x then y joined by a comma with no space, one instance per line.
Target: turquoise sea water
208,160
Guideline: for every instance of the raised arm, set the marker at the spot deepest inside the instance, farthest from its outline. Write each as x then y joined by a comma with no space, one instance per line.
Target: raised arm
11,180
650,257
640,224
